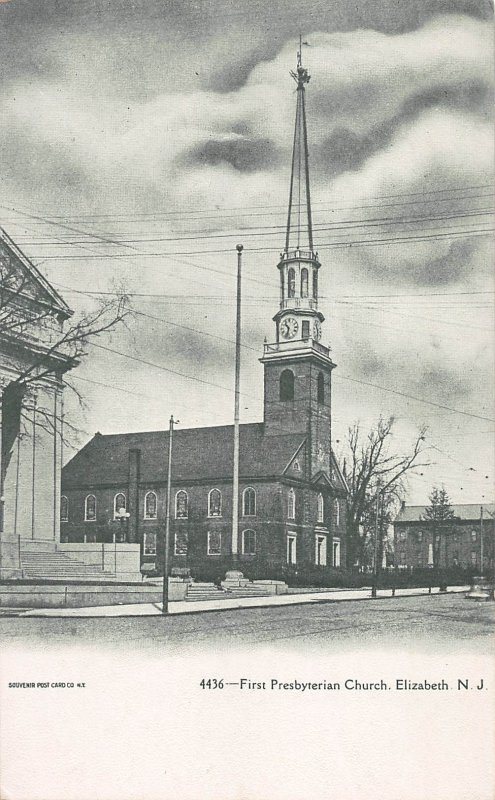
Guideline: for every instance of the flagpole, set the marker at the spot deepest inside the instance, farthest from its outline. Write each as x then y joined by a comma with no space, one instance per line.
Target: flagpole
235,477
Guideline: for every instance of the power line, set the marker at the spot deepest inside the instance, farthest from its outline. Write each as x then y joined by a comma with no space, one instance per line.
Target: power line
326,246
270,230
221,211
418,399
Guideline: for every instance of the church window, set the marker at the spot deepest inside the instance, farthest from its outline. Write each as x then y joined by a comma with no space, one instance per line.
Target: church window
64,509
291,283
149,543
181,543
150,506
119,505
214,543
320,388
291,549
420,536
321,508
215,503
305,329
249,543
320,550
336,552
249,502
181,505
315,284
282,282
336,513
473,536
90,508
287,385
304,282
291,504
473,558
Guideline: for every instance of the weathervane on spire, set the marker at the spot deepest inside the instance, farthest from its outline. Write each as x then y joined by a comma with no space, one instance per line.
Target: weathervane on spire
301,76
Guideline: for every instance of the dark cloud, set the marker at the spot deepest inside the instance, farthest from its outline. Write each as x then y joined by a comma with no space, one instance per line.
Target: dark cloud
245,155
447,269
346,150
210,43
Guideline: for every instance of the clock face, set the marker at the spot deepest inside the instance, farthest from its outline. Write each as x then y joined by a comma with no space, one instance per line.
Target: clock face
317,330
289,327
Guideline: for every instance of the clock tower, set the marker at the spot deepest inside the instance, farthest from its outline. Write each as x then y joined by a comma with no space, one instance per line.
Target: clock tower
297,365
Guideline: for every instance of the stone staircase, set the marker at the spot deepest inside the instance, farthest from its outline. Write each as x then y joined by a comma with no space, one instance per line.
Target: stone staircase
204,591
209,591
52,564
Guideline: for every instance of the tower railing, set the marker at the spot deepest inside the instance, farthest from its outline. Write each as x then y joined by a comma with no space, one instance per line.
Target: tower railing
294,255
299,302
294,345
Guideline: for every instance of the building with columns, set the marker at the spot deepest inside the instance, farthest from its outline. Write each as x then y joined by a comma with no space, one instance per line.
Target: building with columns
32,316
292,496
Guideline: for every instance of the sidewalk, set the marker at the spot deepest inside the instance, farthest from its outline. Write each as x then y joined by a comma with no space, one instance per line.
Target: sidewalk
183,607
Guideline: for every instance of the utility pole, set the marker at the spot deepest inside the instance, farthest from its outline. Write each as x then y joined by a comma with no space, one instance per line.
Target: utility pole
375,549
235,477
481,541
166,545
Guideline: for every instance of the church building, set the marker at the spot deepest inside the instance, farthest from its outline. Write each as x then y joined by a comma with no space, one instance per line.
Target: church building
292,495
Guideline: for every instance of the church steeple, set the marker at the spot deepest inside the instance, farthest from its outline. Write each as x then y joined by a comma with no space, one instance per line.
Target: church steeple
298,317
299,223
298,366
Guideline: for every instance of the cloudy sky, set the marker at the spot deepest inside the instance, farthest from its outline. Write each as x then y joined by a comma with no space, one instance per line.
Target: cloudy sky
142,139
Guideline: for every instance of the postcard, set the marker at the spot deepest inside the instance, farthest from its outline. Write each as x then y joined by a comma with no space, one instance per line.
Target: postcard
247,505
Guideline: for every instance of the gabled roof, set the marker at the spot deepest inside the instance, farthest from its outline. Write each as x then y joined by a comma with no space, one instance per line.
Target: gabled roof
467,511
37,288
198,454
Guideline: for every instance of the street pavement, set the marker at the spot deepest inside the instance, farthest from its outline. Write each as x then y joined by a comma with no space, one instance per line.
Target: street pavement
420,623
223,604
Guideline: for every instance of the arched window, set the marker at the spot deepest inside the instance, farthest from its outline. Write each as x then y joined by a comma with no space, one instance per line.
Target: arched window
215,503
119,505
282,287
181,505
336,513
304,282
320,388
321,508
90,508
291,504
249,543
150,506
315,284
287,385
249,502
291,283
64,509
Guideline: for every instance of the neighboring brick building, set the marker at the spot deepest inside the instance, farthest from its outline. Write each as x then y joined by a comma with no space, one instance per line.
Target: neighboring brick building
457,544
287,516
292,503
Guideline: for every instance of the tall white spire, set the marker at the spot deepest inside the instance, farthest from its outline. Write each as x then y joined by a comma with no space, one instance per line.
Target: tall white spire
299,224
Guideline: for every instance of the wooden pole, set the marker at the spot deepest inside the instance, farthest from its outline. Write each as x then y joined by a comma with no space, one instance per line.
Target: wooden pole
166,544
235,477
481,541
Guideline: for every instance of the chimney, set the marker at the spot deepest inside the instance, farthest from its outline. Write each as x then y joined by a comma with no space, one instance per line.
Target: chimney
133,494
402,505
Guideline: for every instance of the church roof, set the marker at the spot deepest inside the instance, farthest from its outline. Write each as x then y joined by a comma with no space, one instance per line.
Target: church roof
464,512
35,286
198,454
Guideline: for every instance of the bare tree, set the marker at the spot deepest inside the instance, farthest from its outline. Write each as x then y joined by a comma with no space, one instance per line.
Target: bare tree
372,467
43,338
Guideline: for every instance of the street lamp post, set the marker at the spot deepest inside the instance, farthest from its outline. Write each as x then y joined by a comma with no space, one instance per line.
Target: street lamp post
166,544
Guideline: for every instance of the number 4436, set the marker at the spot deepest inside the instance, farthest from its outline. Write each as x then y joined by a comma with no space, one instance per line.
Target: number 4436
212,683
